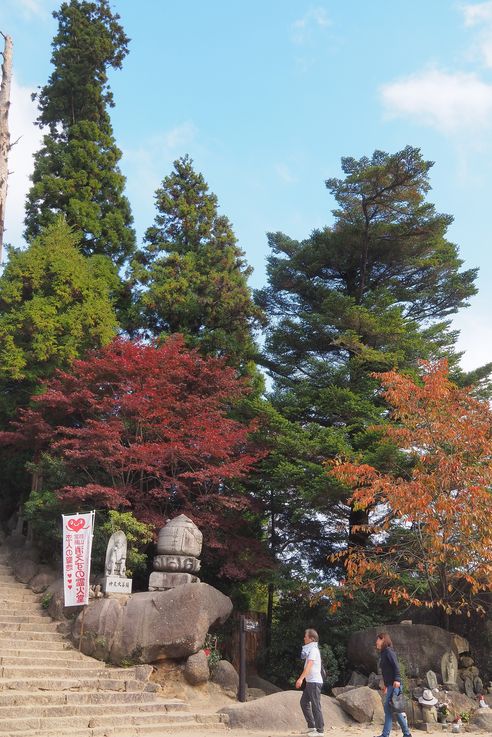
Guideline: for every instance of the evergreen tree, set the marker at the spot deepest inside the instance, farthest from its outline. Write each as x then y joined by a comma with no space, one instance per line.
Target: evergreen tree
192,274
55,303
76,171
372,292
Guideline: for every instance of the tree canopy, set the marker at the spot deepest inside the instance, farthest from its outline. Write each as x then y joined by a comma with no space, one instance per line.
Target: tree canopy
430,524
146,428
192,274
54,304
76,171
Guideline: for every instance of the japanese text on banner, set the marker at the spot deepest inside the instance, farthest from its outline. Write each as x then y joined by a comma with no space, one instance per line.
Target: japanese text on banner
77,546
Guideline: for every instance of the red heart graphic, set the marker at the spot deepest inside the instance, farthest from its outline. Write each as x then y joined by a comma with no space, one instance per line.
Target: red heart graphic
75,524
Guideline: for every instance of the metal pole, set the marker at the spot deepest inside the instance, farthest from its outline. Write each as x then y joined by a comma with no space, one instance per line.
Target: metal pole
242,660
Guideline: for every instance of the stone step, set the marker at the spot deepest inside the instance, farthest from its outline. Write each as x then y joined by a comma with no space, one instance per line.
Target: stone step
22,608
10,594
34,618
77,698
75,670
124,724
24,636
36,657
39,660
81,683
87,720
59,644
167,730
17,711
46,626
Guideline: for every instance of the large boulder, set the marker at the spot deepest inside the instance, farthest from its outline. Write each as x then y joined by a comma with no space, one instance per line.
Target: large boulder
281,712
482,719
196,669
25,569
55,602
255,681
363,704
44,578
147,627
226,676
419,646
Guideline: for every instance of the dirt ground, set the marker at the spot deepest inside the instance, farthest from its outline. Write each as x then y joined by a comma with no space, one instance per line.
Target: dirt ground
352,731
214,701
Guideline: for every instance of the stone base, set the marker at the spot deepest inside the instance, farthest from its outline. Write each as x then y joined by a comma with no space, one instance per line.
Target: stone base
116,585
162,581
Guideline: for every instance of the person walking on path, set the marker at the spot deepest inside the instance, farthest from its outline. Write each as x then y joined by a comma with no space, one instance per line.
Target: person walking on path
311,696
390,671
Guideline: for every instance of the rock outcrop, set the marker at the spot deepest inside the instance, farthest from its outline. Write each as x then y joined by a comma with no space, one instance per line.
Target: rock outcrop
363,704
281,712
419,646
150,626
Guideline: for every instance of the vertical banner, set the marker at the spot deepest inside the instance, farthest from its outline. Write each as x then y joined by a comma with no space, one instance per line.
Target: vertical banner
77,546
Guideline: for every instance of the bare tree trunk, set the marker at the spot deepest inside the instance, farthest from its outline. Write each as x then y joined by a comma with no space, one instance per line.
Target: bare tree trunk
4,130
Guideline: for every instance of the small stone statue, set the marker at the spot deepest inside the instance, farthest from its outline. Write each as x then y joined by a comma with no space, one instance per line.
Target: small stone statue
116,555
431,679
449,668
178,546
115,580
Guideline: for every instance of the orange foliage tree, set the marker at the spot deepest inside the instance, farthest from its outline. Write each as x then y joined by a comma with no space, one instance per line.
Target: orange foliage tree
430,524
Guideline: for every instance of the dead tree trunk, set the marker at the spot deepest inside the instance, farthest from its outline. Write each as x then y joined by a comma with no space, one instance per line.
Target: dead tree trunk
4,130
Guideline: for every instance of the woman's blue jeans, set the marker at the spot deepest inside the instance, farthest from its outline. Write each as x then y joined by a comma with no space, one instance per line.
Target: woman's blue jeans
388,717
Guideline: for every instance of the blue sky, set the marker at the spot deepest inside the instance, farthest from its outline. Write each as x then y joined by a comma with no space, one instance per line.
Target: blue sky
267,96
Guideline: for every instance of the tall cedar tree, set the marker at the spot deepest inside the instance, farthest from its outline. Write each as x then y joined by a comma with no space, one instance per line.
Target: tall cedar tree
146,428
430,528
371,292
76,171
192,274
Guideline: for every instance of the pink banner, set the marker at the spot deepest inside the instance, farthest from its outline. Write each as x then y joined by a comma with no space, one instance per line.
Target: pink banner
77,546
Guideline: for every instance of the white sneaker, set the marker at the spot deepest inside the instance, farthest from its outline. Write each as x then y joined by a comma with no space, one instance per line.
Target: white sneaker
311,730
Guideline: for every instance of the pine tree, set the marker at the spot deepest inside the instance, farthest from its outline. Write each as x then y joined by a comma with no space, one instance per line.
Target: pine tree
76,171
192,274
370,293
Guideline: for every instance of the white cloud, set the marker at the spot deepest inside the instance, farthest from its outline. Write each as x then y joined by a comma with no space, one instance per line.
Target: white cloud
450,103
149,159
480,16
477,13
285,174
316,17
23,112
146,166
32,8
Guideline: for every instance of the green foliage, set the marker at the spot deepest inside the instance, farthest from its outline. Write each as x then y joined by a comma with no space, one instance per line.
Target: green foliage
212,648
295,611
371,292
192,275
46,600
43,509
54,304
76,171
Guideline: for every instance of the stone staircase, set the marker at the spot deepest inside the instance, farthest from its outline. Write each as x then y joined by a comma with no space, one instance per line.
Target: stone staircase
49,689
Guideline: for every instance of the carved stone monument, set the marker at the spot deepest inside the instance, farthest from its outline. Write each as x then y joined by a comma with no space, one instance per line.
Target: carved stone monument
178,546
449,670
115,580
431,679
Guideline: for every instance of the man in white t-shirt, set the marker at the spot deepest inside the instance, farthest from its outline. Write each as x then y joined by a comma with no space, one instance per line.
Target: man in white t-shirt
311,696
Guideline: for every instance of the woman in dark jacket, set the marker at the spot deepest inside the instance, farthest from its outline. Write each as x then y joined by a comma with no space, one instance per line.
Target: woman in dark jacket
390,671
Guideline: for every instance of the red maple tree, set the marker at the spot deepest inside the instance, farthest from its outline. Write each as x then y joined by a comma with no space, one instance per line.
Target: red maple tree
430,526
146,427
